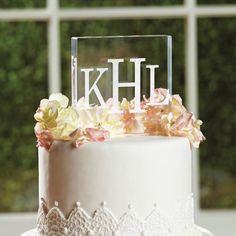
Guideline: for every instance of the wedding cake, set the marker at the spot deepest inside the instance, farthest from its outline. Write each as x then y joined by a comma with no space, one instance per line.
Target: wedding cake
122,167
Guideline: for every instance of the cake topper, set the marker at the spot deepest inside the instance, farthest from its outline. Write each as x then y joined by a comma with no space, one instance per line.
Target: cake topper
121,85
104,67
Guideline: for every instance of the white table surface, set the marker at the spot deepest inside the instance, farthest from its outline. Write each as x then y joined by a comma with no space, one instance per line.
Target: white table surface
205,232
32,232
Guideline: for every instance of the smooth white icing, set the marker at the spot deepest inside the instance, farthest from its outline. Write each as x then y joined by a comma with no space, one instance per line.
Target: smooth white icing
137,170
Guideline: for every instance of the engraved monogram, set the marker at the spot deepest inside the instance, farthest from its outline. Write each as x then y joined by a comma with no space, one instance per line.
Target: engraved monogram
116,84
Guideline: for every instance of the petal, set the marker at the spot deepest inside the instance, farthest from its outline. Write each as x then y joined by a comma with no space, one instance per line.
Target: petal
62,99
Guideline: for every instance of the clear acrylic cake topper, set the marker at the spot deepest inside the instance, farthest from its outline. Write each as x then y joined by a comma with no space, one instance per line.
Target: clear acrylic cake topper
120,67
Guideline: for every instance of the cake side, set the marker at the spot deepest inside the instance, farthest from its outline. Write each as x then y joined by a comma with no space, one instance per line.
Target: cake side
139,170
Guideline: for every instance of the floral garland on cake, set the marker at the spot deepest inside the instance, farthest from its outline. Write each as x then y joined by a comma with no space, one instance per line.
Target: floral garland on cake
56,120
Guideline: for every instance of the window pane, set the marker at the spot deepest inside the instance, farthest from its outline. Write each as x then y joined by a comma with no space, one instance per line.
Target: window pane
217,81
23,82
96,3
22,3
126,27
215,2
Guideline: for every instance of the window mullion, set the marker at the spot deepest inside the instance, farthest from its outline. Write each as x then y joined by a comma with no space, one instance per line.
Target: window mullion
54,68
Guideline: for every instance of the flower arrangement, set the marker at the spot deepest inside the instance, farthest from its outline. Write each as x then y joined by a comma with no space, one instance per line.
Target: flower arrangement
56,120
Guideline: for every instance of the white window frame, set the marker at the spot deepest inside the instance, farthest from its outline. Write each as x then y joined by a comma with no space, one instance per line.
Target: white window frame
221,222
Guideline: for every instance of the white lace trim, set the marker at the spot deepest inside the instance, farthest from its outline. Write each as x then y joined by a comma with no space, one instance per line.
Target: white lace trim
104,223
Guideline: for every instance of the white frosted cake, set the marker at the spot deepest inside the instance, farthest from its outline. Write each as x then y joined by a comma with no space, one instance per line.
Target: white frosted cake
125,186
100,180
120,167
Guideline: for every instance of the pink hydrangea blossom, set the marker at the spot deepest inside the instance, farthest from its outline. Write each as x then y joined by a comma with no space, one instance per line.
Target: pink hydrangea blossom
58,121
97,135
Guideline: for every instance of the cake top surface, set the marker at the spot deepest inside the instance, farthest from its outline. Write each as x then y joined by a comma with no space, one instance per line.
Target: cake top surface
145,138
134,138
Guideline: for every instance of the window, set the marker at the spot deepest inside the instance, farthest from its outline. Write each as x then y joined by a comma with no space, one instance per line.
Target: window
217,85
35,59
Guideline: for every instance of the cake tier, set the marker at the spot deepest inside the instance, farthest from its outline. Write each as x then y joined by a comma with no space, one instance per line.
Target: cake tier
142,171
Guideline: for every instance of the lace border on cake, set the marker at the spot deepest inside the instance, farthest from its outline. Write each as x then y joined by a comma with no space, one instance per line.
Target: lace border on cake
104,223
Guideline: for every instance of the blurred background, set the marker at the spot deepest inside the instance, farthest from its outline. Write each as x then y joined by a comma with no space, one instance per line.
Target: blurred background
35,60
